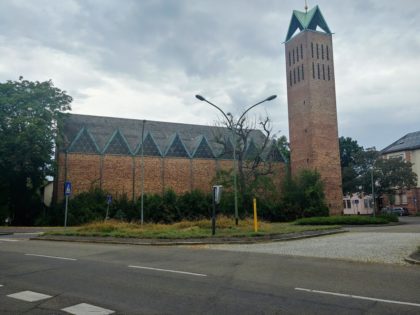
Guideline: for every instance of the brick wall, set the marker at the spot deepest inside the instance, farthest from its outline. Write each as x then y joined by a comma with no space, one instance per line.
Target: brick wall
121,174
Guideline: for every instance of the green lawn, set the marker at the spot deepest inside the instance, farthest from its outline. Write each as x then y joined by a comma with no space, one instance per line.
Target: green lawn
225,227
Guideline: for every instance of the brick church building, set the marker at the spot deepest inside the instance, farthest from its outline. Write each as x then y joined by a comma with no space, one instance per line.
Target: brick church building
106,152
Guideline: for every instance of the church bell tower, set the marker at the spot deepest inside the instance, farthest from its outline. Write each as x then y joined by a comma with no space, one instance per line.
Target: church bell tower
313,131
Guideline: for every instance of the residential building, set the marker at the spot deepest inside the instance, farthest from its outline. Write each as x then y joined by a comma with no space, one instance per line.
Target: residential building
407,148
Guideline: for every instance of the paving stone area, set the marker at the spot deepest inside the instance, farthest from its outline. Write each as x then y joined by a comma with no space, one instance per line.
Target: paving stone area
390,248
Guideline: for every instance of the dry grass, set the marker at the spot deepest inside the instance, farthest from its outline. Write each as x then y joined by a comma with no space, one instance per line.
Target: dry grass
225,227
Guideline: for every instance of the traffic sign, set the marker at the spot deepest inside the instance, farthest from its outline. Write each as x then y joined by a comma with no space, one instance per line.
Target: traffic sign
108,199
67,188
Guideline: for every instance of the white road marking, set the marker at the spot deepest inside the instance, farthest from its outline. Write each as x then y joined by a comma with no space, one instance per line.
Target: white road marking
29,296
8,240
168,270
87,309
358,297
1,285
54,257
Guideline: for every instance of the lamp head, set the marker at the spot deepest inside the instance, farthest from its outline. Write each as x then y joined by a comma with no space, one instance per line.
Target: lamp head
200,97
270,98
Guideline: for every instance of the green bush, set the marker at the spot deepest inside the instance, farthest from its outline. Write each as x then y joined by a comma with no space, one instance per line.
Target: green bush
344,220
303,196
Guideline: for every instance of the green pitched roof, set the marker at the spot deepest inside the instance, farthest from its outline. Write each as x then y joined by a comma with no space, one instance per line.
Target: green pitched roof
307,21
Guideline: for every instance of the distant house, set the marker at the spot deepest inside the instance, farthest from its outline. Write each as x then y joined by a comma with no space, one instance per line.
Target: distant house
357,204
407,148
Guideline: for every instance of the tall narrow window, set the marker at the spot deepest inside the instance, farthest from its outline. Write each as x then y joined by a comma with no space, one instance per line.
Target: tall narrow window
313,70
328,55
322,52
329,75
294,76
293,56
298,71
303,75
290,59
323,71
312,49
317,51
290,77
297,53
301,51
319,73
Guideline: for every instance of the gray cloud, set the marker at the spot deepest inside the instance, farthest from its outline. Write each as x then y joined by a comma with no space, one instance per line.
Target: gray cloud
147,59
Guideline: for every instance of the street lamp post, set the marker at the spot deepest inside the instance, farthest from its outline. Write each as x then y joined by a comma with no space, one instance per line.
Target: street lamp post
233,126
142,174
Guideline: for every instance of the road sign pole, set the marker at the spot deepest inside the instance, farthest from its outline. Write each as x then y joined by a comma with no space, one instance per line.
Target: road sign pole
65,212
107,211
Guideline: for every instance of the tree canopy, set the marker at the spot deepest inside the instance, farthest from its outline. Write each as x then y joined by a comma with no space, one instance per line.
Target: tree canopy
29,114
357,165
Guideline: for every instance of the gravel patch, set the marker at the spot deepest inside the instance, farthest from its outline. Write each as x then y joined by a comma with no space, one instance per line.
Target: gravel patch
390,248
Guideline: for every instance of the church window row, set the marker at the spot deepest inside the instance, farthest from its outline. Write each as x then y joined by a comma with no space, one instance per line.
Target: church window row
117,145
325,75
297,75
324,52
294,55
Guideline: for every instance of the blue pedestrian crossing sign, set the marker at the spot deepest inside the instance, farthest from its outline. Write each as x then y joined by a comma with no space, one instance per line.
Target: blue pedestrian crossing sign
67,188
108,199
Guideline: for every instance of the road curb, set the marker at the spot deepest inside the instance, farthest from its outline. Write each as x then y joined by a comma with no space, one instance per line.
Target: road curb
412,260
206,241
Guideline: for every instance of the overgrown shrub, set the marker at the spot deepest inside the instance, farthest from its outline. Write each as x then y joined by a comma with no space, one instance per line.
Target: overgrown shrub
303,196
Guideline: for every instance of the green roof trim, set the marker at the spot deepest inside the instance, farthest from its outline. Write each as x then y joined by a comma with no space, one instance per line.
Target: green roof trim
309,20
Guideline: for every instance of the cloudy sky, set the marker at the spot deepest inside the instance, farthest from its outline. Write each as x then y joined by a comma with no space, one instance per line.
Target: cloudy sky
147,59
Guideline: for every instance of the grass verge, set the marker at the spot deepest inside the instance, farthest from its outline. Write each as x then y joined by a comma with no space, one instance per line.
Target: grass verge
347,220
225,227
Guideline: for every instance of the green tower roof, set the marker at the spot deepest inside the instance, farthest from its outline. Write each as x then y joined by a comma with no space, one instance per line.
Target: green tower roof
307,21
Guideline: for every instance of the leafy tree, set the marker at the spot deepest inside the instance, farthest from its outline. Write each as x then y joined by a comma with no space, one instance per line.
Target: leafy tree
29,114
283,146
303,196
350,155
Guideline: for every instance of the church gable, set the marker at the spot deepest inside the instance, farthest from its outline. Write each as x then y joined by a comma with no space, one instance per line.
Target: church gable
83,143
177,148
149,147
251,152
117,145
227,152
274,155
203,150
309,20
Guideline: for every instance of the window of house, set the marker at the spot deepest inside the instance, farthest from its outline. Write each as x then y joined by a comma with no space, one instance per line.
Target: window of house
298,71
348,204
322,52
344,204
397,199
317,51
312,49
329,75
404,200
323,71
293,54
290,77
301,51
297,53
313,70
328,55
319,73
294,76
290,59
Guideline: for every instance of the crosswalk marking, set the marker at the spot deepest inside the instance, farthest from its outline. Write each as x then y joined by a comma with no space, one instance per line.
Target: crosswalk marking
29,296
87,309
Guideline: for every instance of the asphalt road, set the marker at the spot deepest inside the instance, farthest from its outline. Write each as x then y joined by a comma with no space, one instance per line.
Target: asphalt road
194,280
